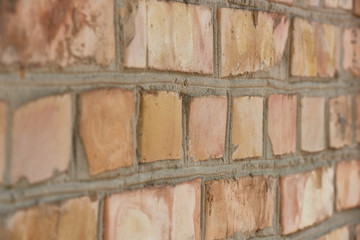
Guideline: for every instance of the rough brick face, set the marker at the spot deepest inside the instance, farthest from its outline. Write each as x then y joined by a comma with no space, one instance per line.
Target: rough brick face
357,102
344,4
42,133
244,205
160,126
107,128
337,234
340,125
282,123
351,48
306,198
247,127
347,184
207,127
248,46
3,123
155,213
312,124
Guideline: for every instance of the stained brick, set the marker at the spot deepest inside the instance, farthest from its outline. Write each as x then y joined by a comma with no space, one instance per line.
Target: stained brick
347,184
247,127
312,124
357,100
245,205
155,213
251,40
306,198
160,126
340,121
107,128
207,127
41,138
337,234
3,123
282,123
351,48
344,4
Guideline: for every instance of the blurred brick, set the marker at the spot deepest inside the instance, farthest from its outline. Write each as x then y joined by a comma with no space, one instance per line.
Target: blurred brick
61,33
312,124
340,121
207,127
287,2
160,126
247,127
337,234
357,232
155,213
313,3
356,8
3,123
251,40
282,123
357,102
347,184
306,198
107,128
351,48
244,205
344,4
42,137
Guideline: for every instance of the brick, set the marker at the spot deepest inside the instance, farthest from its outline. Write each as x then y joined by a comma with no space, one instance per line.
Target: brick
154,213
351,48
306,198
287,2
357,231
245,205
340,125
61,33
42,133
251,40
312,3
312,124
160,126
347,184
180,37
247,127
356,8
107,128
357,102
207,127
340,233
282,123
3,123
344,4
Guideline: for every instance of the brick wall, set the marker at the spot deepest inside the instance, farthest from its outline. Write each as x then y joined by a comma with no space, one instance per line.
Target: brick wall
199,119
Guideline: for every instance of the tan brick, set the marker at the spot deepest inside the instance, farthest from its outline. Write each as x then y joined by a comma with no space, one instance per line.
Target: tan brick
282,123
344,4
107,128
160,126
351,48
340,122
3,123
287,2
180,37
347,184
306,198
207,127
42,133
337,234
247,127
356,8
312,124
63,32
251,40
357,100
357,232
244,205
313,3
155,213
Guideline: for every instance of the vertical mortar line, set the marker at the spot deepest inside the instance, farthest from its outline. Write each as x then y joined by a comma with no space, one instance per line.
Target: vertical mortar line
8,142
298,124
216,40
136,130
327,123
340,71
100,216
119,38
333,165
353,118
202,211
184,118
288,51
276,218
265,128
75,127
228,138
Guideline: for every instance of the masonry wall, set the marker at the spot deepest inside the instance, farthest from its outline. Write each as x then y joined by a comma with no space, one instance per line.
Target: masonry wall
203,119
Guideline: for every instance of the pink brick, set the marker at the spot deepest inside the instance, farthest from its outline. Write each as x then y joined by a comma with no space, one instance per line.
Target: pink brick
351,48
3,123
357,100
344,4
282,123
347,184
337,234
155,213
42,133
306,198
245,205
207,126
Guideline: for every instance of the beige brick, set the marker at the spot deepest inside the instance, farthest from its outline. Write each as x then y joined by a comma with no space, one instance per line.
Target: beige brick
306,198
351,48
251,40
344,4
3,124
357,100
160,126
287,2
42,133
357,232
247,127
337,234
107,128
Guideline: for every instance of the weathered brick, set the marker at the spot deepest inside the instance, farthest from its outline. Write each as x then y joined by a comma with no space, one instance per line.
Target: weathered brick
340,121
306,198
207,127
357,232
287,2
344,4
312,3
356,8
41,138
107,128
351,48
357,100
3,123
180,37
160,126
155,213
282,123
347,184
251,40
61,33
247,127
244,205
337,234
312,124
